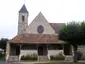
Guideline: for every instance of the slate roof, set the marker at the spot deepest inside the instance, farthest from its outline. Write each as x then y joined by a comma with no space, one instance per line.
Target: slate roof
36,39
57,26
23,9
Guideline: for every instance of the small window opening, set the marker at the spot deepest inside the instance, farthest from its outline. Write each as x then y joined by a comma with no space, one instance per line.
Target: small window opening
23,18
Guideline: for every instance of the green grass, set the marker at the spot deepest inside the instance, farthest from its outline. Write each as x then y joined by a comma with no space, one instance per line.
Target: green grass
62,63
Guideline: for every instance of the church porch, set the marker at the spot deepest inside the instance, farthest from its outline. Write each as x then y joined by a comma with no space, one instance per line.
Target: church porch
42,50
41,44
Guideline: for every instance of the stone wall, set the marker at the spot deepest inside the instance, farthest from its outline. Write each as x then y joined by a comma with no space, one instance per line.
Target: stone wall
40,20
25,52
82,50
54,52
50,52
22,25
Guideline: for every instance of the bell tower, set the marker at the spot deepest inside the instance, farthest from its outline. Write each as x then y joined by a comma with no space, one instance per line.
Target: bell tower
23,20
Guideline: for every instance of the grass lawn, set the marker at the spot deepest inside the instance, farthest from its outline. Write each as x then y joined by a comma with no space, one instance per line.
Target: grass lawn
62,63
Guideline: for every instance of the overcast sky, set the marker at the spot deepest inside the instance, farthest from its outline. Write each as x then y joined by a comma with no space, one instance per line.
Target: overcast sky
55,11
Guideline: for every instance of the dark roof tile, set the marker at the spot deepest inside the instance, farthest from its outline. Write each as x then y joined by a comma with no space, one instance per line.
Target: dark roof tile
57,26
23,9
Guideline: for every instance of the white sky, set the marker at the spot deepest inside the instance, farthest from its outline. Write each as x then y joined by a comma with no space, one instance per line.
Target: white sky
55,11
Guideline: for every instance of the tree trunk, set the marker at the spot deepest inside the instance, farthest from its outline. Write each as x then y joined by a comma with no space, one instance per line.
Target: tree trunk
75,53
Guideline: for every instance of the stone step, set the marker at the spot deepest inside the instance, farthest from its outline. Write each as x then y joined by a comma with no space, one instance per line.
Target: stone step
13,58
43,58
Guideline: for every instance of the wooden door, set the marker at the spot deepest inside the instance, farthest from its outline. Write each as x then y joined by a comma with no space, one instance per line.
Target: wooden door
42,49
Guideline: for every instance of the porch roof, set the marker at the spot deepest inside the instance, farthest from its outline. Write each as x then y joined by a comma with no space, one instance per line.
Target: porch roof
36,39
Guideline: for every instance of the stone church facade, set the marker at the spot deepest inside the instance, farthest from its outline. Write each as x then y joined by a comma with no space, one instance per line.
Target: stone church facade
40,37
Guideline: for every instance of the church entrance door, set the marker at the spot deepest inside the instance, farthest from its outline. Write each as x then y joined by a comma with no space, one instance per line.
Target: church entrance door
42,49
67,49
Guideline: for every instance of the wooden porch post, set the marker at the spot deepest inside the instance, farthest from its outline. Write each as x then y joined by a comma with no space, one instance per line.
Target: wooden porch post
48,53
20,53
7,51
37,51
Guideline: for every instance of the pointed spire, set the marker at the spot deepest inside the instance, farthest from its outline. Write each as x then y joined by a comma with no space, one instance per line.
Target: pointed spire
23,9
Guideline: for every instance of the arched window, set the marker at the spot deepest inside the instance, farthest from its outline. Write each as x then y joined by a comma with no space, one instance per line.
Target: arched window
23,18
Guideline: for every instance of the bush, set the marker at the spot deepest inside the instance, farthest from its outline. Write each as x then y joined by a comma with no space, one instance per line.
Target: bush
29,57
59,56
2,56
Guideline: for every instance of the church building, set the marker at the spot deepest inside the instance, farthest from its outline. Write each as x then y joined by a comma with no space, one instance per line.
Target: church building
40,37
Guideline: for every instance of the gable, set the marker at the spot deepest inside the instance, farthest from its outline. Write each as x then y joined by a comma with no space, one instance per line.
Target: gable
40,20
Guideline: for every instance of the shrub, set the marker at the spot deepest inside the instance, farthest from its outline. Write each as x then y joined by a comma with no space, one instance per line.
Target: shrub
59,56
2,56
29,57
34,56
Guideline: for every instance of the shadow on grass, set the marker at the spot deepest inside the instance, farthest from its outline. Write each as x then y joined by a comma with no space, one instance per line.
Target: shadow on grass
62,63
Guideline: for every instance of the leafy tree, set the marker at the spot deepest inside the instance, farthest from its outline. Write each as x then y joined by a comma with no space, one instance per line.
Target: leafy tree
72,34
3,42
83,32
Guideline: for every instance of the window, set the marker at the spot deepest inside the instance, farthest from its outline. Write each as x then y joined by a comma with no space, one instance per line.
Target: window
55,47
29,47
23,18
40,29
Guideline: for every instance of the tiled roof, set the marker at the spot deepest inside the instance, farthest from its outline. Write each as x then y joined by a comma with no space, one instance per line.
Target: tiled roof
23,9
57,26
36,39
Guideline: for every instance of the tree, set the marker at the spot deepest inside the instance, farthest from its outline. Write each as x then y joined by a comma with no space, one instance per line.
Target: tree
83,32
72,34
3,42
